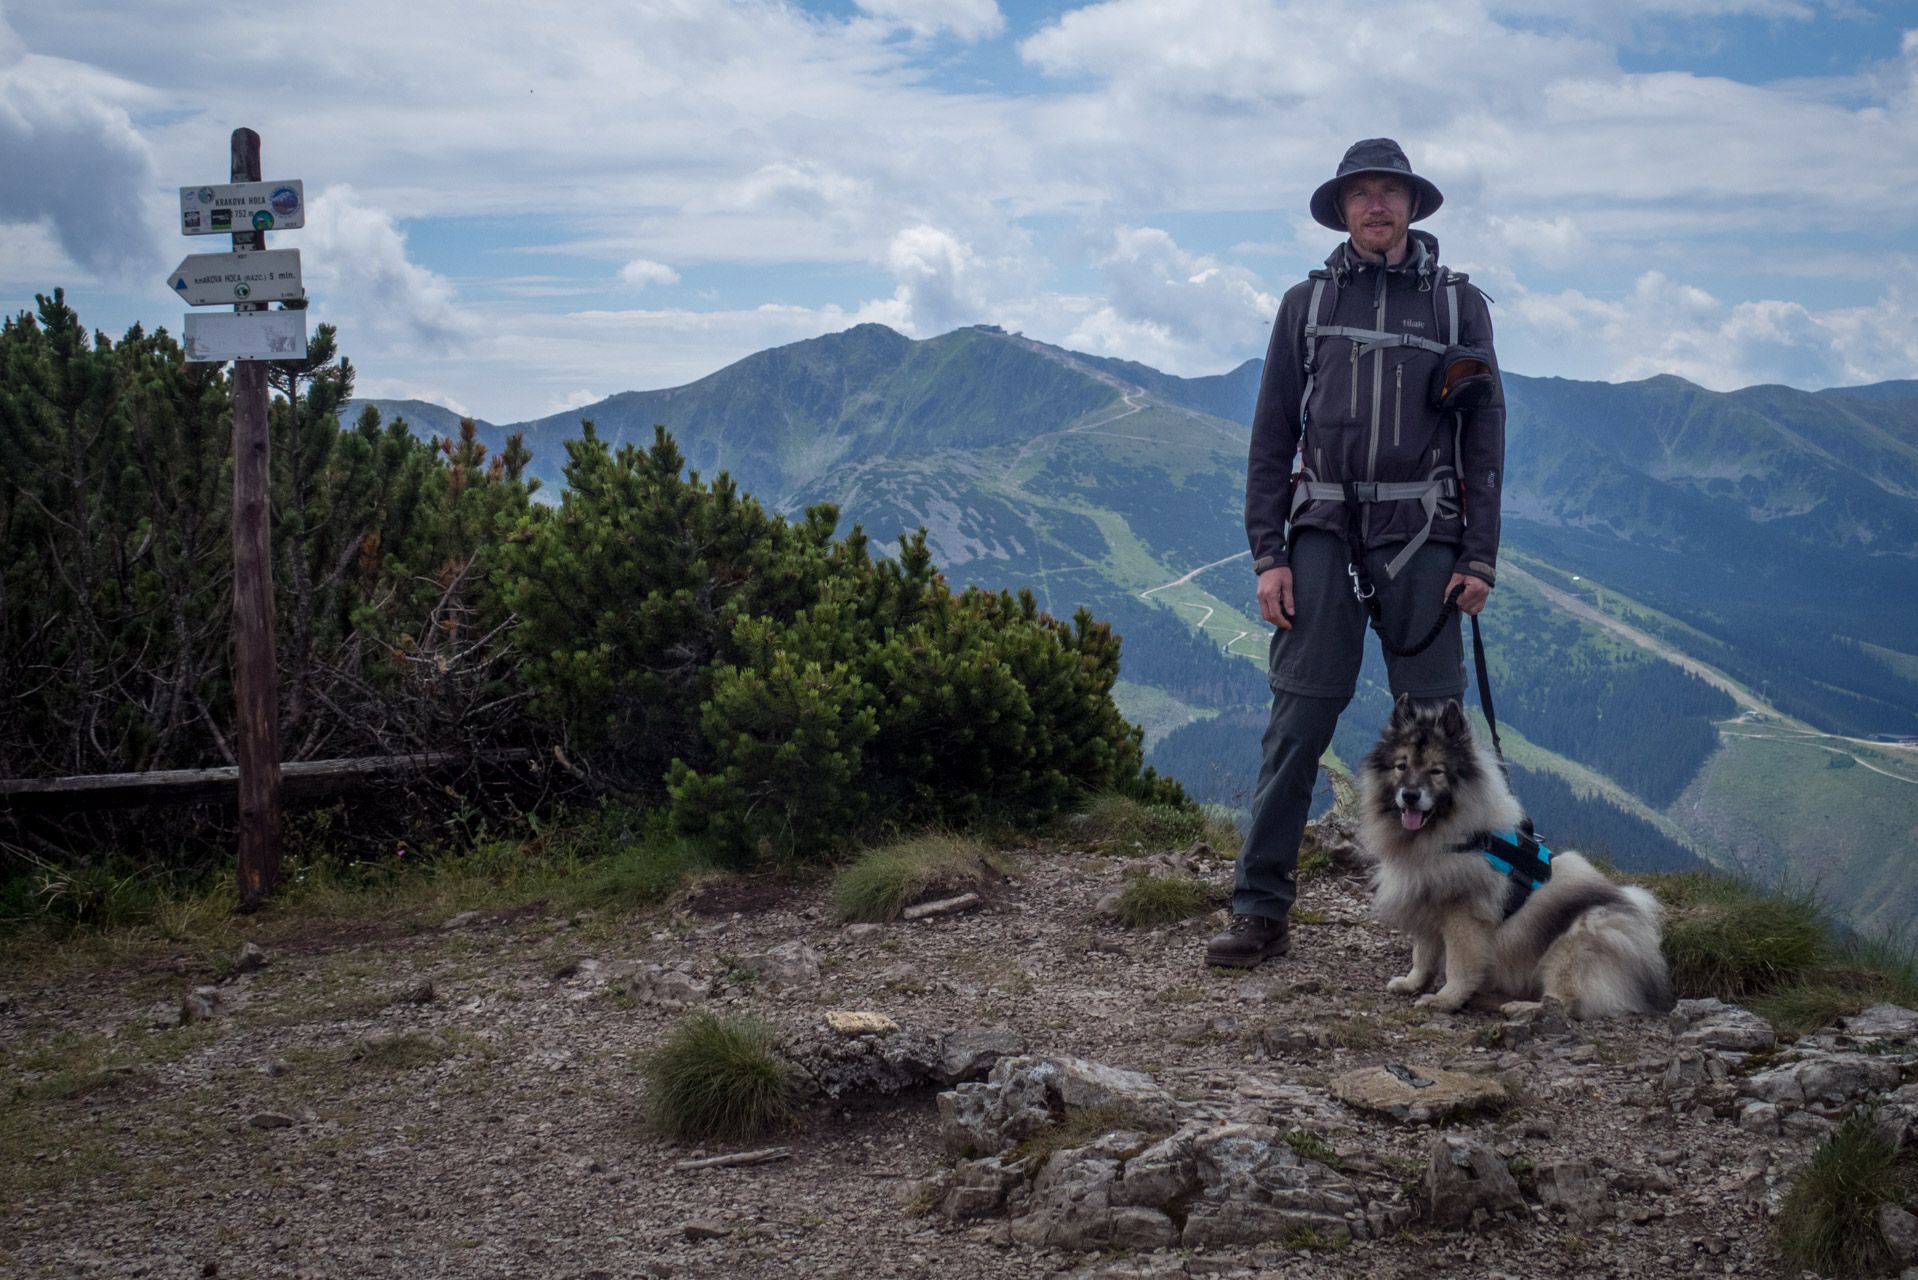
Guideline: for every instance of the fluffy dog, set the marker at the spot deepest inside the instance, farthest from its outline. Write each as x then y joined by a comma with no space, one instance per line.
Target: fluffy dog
1428,794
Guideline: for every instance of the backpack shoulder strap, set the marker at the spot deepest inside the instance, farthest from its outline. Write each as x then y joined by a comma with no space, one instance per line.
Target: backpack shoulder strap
1319,279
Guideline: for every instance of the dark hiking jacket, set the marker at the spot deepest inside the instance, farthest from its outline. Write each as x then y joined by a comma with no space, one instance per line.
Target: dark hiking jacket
1370,417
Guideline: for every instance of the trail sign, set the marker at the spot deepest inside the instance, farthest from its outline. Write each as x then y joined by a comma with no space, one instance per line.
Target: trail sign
242,206
216,279
245,335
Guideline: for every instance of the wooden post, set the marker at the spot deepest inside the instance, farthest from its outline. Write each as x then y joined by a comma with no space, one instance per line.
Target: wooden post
256,678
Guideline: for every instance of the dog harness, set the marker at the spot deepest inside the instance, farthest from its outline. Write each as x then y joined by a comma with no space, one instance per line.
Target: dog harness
1517,855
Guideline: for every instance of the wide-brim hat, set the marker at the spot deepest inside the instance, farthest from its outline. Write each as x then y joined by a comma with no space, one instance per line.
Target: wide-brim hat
1374,155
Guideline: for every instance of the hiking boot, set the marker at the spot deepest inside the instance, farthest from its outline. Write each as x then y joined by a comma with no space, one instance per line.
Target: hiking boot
1248,940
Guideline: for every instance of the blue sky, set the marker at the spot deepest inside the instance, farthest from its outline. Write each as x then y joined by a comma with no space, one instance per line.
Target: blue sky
518,209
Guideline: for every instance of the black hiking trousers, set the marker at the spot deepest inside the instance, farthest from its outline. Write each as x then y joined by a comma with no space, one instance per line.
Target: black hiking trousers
1313,671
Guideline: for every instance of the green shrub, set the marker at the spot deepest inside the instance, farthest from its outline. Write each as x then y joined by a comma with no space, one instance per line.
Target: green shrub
1729,939
1151,901
1829,1220
720,1079
884,881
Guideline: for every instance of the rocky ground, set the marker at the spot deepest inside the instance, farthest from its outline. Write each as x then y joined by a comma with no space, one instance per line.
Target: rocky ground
460,1098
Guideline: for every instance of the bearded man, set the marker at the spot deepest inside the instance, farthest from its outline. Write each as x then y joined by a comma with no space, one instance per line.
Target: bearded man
1381,387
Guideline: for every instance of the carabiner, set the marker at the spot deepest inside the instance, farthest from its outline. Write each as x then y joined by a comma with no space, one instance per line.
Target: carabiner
1357,589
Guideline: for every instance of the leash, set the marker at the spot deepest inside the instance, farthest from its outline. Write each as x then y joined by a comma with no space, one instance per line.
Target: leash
1485,689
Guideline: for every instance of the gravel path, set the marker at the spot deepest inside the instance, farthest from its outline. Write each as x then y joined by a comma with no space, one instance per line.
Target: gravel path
463,1102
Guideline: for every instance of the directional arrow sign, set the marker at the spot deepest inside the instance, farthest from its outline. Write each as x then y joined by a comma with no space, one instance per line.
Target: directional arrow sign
242,206
245,335
213,279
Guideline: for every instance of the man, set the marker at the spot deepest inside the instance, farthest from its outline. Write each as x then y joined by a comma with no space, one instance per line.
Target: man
1381,381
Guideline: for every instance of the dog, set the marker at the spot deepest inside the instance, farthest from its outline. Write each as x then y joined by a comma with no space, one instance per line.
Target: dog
1429,795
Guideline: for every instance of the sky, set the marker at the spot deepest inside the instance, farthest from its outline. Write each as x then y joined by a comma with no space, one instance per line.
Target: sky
519,209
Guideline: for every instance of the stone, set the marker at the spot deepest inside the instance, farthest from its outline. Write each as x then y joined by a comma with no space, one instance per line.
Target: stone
1822,1078
1337,837
276,1067
1803,1124
1713,1024
673,987
966,1123
1256,1188
1070,1206
904,975
1162,1173
202,1004
848,1023
460,921
861,932
973,1051
1464,1179
1901,1233
249,958
705,1229
943,907
1759,1117
1417,1095
892,1062
1883,1022
979,1187
270,1120
1573,1187
1897,1117
788,964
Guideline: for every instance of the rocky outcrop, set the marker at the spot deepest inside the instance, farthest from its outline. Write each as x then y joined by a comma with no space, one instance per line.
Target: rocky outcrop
1418,1095
889,1059
1024,1095
1467,1183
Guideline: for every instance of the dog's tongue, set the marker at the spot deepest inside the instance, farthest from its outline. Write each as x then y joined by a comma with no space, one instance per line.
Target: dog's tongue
1412,819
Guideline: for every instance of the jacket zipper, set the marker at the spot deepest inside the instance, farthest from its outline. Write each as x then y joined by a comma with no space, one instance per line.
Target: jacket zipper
1355,380
1378,380
1398,400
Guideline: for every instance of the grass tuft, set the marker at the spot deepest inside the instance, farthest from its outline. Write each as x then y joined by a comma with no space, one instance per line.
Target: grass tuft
1118,823
720,1078
1080,1126
1151,901
1829,1220
1729,939
881,882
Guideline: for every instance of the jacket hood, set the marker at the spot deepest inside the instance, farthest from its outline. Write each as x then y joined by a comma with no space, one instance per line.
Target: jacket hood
1421,257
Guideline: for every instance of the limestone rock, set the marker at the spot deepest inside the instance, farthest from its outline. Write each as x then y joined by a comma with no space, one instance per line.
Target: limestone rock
1417,1095
1831,1079
848,1023
1901,1233
1025,1094
249,958
1464,1179
1162,1173
270,1120
1573,1187
1897,1117
671,987
787,965
1759,1117
979,1187
202,1004
705,1229
1256,1188
966,1121
1883,1022
1337,837
973,1051
1713,1024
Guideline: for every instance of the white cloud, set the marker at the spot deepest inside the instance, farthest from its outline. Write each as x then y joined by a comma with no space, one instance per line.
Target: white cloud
966,19
939,280
1664,326
641,272
570,400
356,266
74,163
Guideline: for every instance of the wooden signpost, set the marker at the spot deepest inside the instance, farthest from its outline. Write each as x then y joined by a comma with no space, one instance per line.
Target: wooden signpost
253,205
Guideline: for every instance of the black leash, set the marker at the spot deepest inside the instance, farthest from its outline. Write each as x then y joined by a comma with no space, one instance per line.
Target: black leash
1485,688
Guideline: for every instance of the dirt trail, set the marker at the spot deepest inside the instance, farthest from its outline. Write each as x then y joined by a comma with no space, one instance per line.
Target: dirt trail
494,1129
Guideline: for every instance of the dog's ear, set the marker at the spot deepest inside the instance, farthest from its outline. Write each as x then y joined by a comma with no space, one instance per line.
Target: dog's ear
1405,712
1452,720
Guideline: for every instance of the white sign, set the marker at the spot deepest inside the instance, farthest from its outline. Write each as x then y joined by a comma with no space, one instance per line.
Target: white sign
264,275
242,206
246,335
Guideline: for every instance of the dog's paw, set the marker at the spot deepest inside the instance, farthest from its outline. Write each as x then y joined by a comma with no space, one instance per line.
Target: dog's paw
1402,987
1440,1001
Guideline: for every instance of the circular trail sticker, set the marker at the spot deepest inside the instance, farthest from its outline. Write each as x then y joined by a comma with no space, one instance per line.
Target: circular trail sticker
263,220
243,290
284,201
206,195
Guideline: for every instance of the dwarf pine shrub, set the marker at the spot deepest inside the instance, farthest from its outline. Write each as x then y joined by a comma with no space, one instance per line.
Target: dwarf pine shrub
720,1079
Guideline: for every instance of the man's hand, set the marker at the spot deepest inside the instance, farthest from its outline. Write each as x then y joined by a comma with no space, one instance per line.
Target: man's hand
1275,597
1471,600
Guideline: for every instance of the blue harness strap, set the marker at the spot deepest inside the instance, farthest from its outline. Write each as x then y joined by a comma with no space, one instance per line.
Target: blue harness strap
1525,863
